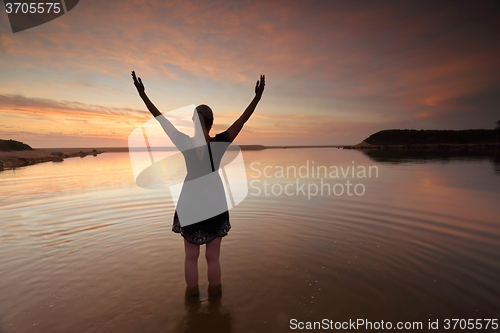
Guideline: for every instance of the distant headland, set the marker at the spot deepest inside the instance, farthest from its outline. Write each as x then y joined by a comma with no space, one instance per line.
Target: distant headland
426,139
13,145
419,137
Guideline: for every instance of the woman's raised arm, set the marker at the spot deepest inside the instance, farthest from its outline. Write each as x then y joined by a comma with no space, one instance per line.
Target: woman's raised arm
168,127
236,127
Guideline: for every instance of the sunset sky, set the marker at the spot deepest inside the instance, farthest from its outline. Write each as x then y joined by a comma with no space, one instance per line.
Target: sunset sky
336,71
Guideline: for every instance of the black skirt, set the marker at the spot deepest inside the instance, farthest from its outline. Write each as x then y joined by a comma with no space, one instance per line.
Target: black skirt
205,231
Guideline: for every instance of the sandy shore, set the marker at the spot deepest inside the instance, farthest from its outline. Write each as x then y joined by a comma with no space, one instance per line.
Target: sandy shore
13,159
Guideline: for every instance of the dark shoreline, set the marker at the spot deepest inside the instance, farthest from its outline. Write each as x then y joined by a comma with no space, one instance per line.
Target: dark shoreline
14,159
11,159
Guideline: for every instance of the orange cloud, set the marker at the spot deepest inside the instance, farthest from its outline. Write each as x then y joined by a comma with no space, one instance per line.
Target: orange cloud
422,115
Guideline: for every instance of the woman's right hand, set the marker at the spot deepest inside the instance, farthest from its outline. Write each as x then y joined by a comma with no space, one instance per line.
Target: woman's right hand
138,83
259,87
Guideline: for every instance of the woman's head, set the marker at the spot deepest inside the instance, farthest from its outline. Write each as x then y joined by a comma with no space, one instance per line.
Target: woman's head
207,114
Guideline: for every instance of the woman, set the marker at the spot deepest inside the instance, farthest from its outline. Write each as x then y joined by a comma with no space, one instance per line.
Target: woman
211,230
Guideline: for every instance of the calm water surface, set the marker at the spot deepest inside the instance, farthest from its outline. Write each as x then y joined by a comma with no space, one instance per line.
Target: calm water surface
83,249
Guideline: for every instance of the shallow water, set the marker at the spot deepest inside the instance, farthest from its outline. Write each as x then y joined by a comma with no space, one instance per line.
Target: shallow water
83,249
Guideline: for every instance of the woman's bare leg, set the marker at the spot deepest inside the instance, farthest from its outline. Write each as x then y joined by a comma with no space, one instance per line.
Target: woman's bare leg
213,264
191,263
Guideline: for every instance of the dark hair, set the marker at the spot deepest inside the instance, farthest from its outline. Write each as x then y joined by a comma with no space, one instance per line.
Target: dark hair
207,114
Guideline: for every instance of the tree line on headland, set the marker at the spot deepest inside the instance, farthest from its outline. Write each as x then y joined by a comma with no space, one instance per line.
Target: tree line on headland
428,137
433,137
13,145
